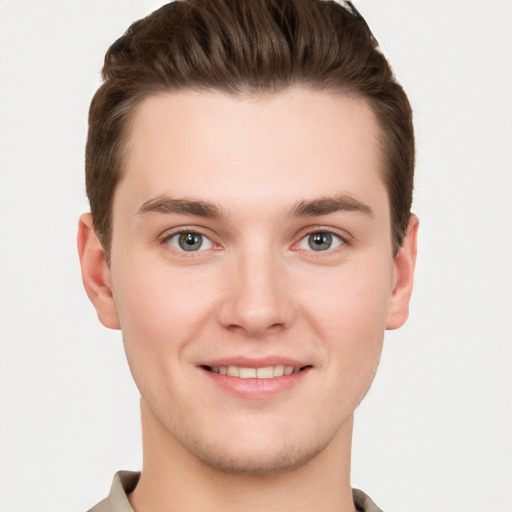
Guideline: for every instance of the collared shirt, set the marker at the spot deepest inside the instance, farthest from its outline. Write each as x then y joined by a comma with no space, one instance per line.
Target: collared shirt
125,482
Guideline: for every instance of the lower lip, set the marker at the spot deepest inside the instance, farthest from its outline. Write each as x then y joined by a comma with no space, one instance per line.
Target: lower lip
257,388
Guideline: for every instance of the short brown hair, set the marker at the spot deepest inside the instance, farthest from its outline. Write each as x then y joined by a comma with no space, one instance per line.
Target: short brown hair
246,47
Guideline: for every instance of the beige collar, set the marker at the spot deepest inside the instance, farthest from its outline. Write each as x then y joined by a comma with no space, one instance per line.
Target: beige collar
126,481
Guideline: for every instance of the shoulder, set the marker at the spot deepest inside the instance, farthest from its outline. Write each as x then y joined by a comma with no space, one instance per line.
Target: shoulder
363,502
124,483
102,506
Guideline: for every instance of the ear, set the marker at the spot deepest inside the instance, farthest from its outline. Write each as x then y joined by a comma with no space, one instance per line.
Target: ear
95,273
404,263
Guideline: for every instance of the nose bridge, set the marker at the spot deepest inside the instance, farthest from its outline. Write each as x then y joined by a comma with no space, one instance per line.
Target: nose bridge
257,297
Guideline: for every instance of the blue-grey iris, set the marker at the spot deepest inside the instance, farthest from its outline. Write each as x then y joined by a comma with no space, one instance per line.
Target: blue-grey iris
190,241
320,241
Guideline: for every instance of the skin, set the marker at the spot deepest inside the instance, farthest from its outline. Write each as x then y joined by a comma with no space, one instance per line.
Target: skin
256,290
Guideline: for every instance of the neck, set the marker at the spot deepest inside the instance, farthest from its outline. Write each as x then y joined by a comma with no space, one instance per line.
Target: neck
174,479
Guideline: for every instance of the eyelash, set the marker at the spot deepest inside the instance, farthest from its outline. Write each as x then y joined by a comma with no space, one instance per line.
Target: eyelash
167,238
343,240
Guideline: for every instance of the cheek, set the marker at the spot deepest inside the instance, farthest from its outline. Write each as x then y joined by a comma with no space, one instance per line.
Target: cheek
353,299
160,313
157,299
350,316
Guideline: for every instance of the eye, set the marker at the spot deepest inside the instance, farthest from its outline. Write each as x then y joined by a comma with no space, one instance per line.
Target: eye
320,241
189,241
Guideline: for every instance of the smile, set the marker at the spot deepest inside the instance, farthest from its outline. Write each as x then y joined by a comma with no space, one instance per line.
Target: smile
267,372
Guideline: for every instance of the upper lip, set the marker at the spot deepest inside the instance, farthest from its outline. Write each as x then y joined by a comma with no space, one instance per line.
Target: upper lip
259,362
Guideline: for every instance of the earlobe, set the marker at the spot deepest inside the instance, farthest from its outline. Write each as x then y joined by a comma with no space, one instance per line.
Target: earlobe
95,273
404,264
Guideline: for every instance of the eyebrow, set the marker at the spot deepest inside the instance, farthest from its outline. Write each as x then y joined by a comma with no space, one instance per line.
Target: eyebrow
169,205
314,207
328,205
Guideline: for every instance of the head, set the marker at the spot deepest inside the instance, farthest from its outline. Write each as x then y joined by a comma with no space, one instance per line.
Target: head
250,47
249,167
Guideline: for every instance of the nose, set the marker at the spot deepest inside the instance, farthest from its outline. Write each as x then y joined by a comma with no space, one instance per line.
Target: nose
257,298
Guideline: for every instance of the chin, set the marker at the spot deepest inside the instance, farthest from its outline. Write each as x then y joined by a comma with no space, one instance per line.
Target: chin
256,459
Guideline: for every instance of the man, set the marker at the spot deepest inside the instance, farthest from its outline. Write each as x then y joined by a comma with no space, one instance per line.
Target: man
249,166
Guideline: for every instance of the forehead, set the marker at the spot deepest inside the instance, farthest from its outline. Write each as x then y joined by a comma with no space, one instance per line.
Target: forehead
285,147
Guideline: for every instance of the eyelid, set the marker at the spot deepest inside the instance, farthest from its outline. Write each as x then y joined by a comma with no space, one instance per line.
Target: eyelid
343,236
167,235
304,242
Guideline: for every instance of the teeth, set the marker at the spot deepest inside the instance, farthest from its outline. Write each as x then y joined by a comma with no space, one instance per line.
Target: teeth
268,372
265,373
279,370
247,373
234,371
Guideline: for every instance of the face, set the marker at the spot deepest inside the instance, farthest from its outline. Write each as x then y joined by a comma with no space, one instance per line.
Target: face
252,271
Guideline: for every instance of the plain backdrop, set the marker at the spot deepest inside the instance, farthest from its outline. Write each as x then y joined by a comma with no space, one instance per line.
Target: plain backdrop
434,433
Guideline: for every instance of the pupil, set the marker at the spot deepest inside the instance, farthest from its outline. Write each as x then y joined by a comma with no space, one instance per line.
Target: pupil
320,241
190,241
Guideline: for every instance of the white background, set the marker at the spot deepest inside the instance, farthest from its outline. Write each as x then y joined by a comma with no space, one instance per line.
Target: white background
435,432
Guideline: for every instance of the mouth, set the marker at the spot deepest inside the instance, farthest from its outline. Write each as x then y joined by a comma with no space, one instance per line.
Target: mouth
266,372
